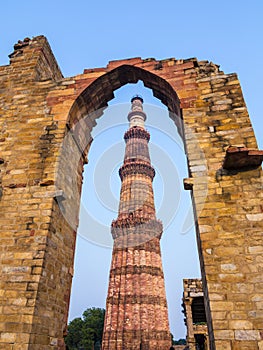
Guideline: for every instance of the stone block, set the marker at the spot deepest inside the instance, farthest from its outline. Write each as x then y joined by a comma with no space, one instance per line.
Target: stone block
6,337
224,334
247,334
223,345
240,324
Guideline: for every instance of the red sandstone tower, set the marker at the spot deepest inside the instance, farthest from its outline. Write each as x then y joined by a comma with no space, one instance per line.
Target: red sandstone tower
136,309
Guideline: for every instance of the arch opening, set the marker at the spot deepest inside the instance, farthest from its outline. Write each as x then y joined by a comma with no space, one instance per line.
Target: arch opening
88,107
107,126
94,99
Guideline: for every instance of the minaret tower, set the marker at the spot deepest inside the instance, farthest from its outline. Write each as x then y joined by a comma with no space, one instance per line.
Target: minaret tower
136,309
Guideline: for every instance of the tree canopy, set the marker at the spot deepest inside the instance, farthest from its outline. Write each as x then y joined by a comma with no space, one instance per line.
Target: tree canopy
179,342
86,332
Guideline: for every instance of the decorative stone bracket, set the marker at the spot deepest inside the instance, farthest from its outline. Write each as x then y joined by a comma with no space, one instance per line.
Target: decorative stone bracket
238,157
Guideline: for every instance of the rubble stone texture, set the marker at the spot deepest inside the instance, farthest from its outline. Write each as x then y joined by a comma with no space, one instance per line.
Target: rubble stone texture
45,127
136,308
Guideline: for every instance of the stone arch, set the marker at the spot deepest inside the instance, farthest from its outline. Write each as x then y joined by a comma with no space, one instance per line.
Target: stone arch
88,106
96,96
38,245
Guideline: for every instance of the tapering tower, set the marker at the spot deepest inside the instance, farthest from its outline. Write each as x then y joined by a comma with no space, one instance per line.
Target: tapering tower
136,308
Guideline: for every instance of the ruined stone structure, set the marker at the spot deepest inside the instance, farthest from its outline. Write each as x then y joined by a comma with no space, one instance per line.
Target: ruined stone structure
45,127
136,308
195,317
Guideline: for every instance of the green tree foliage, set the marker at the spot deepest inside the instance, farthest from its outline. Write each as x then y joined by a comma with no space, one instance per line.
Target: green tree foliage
74,337
93,325
179,342
86,332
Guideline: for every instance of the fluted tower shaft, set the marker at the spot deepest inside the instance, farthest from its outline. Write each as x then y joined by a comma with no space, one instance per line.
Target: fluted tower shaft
136,309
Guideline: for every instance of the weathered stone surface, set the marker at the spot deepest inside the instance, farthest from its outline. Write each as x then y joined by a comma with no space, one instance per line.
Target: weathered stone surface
245,334
38,107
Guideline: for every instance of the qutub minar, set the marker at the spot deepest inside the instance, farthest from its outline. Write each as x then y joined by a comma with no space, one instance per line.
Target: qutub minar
136,308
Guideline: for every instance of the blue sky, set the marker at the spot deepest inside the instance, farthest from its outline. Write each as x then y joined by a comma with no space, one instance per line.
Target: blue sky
86,34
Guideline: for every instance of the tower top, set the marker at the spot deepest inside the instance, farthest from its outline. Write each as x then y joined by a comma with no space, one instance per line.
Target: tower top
137,116
137,97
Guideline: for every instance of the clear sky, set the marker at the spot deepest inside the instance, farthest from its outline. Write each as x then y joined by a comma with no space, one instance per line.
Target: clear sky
85,34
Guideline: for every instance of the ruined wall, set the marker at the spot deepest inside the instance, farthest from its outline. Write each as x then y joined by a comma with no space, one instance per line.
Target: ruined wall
195,319
42,152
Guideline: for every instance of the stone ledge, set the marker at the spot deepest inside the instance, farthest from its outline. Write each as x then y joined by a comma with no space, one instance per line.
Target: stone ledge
241,157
